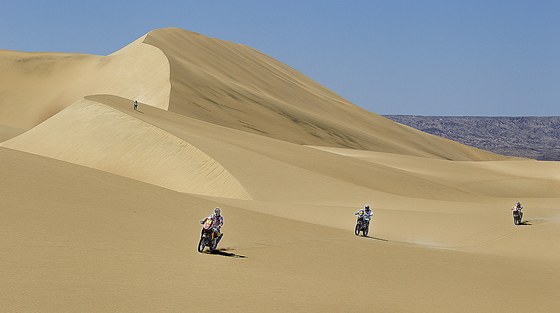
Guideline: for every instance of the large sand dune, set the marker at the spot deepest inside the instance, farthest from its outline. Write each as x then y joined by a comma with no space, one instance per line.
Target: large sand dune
35,86
236,86
99,203
95,135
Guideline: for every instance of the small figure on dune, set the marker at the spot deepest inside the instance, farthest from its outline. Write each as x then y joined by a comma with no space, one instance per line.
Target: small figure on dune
135,105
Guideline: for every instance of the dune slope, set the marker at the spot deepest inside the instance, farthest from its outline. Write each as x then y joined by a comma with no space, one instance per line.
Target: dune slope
97,136
211,80
93,241
236,86
323,187
35,86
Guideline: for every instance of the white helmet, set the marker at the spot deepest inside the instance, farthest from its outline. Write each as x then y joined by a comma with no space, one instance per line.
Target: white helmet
217,211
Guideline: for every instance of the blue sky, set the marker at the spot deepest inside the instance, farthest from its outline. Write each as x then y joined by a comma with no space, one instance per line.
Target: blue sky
390,57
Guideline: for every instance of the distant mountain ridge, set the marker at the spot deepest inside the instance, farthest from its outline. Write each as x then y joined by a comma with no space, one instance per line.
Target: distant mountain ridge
529,137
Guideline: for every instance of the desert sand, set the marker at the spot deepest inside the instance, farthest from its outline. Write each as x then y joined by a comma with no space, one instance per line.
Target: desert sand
100,204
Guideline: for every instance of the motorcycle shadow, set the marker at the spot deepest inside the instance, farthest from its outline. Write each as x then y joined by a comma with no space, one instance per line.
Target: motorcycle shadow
224,252
376,238
525,223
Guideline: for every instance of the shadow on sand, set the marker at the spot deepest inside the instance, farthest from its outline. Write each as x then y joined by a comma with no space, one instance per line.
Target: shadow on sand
525,223
375,238
224,252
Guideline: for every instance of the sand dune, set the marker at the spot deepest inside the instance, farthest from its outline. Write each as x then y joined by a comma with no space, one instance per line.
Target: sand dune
514,178
97,136
35,86
68,247
419,194
212,80
99,203
7,132
235,86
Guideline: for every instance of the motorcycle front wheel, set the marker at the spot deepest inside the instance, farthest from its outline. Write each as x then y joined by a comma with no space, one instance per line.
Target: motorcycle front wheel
357,230
201,244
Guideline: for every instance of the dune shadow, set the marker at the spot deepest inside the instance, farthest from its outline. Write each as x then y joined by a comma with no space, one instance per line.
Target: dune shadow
224,252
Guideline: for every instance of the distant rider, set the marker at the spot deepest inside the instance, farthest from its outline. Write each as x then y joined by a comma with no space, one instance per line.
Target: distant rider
217,222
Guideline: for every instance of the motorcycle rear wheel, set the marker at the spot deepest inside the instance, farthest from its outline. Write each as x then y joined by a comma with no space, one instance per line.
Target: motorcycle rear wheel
214,245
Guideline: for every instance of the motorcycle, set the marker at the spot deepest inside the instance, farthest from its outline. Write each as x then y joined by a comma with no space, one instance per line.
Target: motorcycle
362,225
517,217
209,237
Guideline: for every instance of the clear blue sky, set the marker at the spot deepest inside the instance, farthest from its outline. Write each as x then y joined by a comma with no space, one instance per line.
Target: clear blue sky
391,57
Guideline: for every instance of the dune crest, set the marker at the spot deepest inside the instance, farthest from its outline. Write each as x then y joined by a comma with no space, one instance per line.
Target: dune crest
35,86
233,85
97,136
212,80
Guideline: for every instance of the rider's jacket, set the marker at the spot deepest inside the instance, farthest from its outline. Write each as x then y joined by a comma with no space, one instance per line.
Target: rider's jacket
363,214
517,208
217,221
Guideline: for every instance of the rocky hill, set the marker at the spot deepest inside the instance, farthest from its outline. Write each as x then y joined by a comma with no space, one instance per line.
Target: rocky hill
528,137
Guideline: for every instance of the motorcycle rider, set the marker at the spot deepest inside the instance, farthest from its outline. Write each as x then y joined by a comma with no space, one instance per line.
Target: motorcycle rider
518,207
364,214
217,222
367,211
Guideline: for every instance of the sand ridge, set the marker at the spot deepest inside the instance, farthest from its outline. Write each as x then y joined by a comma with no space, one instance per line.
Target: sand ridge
235,86
94,135
35,86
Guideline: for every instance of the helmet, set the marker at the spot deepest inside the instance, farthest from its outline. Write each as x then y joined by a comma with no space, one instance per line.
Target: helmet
217,211
367,207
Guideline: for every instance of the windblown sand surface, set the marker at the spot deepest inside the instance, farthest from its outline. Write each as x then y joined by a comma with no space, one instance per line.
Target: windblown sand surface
100,203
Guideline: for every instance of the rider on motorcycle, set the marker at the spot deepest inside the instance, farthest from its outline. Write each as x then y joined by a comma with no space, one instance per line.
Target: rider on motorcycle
365,213
368,212
217,222
517,207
